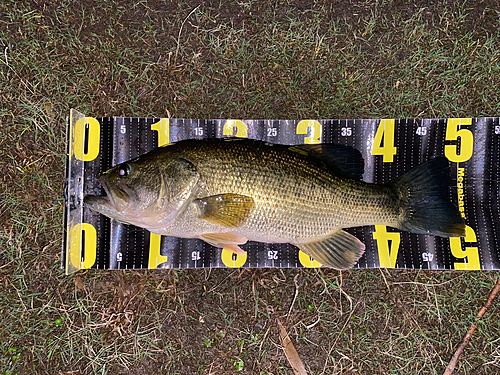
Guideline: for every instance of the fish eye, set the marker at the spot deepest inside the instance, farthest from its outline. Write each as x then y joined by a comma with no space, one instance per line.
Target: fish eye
124,170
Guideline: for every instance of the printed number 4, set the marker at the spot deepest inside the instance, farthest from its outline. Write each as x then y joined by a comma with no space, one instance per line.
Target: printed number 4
383,144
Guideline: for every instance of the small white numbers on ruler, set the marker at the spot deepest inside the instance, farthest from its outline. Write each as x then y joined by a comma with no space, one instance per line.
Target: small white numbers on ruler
198,131
123,129
427,257
119,257
421,130
272,132
271,254
346,132
497,129
195,255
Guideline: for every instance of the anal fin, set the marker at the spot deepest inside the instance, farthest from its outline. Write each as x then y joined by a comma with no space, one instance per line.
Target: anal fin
340,251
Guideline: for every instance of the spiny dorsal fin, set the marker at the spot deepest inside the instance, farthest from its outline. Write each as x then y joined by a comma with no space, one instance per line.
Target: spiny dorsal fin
228,210
343,160
340,251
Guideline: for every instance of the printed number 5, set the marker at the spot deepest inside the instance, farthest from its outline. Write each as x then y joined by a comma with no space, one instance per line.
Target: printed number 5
470,253
466,140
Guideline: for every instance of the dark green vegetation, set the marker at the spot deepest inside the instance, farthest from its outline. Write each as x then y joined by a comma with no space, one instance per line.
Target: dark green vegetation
291,59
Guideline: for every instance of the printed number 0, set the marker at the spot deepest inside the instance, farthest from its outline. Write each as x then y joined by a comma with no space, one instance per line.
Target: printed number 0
87,130
89,244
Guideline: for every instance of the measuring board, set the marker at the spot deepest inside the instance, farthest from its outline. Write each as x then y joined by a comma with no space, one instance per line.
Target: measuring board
389,147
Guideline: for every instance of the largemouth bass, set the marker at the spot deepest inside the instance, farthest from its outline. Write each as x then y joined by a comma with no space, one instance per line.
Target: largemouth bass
230,191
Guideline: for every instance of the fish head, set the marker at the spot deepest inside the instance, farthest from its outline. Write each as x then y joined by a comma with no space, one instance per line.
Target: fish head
135,193
147,192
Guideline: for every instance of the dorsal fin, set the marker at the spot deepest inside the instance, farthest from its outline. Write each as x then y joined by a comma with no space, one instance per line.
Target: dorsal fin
345,161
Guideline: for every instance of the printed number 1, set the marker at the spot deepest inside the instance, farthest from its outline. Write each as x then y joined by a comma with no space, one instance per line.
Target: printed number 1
163,129
383,144
155,257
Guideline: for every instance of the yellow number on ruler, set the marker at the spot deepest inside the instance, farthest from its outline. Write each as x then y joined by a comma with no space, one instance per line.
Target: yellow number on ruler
315,126
241,128
155,257
89,246
232,260
471,253
387,254
93,141
163,129
307,261
466,140
385,135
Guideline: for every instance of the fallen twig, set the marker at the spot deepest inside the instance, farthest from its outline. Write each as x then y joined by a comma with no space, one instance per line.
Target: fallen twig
290,352
472,328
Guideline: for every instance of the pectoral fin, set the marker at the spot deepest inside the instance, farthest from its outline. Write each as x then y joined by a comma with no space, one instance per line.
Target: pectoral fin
229,241
340,251
229,210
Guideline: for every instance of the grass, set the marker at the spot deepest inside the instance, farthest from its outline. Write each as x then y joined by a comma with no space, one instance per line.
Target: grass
232,60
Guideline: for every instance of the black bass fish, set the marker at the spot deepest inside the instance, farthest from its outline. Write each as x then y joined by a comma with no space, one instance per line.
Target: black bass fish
230,191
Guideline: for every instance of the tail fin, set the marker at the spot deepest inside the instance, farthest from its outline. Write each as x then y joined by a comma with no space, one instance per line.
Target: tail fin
424,195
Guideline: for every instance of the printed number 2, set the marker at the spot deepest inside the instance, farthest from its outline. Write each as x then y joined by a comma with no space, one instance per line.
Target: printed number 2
312,127
466,140
383,144
470,253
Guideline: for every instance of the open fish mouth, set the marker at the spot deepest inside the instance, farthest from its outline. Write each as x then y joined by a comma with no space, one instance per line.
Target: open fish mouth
115,198
108,197
118,197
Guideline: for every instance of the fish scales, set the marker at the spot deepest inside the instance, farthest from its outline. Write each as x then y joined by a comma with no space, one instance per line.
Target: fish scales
294,200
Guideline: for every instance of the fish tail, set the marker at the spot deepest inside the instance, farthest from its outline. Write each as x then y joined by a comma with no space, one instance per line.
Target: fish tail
424,195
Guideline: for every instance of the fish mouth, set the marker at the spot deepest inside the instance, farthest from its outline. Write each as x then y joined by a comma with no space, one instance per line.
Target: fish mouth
107,191
118,197
115,199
